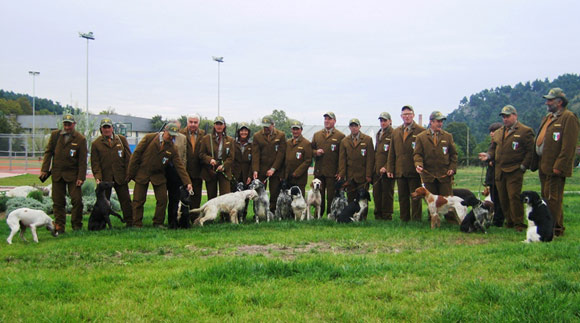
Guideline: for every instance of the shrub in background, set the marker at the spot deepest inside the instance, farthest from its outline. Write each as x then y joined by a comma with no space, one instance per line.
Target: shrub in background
37,195
88,188
19,202
3,200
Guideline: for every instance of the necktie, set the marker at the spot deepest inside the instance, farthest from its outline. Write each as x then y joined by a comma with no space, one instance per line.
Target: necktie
355,141
192,141
435,138
405,134
327,133
506,132
110,144
542,134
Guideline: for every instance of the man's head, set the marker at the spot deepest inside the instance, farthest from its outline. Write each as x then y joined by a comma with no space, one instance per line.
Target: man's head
171,130
385,120
509,115
107,127
296,127
268,124
219,124
329,120
407,114
193,122
68,123
493,128
436,121
244,131
354,126
556,100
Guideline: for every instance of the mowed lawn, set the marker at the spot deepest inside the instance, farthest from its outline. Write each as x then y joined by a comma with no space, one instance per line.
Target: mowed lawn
287,271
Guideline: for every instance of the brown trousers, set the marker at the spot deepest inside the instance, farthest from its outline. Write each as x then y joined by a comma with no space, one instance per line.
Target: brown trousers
410,209
438,188
553,194
125,201
383,191
197,185
509,187
139,199
327,188
212,186
59,204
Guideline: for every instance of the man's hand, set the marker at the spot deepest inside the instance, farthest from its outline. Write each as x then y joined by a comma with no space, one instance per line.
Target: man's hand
220,168
270,172
190,188
483,156
556,171
79,182
419,169
383,170
98,181
212,162
450,172
255,175
390,175
320,152
248,181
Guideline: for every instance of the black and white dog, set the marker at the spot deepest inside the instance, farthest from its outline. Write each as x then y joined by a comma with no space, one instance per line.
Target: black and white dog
262,203
100,216
298,204
540,221
183,214
240,186
481,215
355,211
339,202
284,203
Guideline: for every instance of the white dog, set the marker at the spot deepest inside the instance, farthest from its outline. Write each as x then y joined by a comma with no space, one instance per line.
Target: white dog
298,203
231,203
22,218
314,198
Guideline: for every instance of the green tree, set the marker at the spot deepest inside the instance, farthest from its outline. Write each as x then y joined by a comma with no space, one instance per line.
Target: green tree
25,105
157,122
459,132
108,111
9,107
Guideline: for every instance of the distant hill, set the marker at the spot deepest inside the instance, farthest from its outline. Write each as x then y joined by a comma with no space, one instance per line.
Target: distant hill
44,106
482,109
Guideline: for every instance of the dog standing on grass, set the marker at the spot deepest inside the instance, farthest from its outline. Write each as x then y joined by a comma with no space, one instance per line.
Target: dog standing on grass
183,217
314,198
230,203
100,216
20,219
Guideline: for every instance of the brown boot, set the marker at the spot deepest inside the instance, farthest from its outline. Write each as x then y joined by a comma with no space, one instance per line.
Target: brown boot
59,228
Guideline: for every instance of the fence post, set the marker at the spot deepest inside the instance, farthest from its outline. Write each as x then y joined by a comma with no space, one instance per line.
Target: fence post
10,152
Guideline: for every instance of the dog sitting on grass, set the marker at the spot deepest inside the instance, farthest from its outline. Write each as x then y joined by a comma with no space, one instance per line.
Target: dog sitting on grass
20,219
355,211
540,220
339,202
100,216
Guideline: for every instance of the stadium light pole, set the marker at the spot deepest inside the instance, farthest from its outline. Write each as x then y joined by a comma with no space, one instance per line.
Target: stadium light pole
88,36
33,73
219,60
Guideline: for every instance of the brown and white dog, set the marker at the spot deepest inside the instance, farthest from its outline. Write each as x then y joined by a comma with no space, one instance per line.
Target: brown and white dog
314,198
441,205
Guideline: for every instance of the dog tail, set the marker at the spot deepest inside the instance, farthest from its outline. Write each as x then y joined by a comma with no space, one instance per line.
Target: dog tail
198,210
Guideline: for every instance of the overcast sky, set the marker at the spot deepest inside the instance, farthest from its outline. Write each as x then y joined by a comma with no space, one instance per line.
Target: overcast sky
356,58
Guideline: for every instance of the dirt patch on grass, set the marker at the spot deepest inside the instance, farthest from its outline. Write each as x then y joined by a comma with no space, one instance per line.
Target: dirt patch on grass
471,242
291,252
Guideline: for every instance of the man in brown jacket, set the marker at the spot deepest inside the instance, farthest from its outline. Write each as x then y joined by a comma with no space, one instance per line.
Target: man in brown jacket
67,152
383,186
555,146
435,156
356,159
147,164
242,167
194,135
298,157
173,180
325,149
269,149
400,164
217,155
110,155
512,149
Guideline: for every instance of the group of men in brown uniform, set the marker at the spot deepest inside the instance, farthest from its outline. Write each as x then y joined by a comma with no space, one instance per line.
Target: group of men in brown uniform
409,155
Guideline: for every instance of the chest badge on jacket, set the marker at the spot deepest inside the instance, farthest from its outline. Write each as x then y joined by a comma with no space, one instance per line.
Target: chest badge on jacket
515,145
386,147
332,147
413,145
363,152
276,148
73,152
120,152
298,155
250,157
164,160
556,136
444,150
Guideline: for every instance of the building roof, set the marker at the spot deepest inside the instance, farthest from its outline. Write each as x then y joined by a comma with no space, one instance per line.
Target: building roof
52,121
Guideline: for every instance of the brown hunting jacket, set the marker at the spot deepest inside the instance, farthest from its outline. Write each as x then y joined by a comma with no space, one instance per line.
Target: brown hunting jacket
326,165
225,156
298,160
436,160
193,163
356,161
512,151
268,152
400,161
69,160
110,161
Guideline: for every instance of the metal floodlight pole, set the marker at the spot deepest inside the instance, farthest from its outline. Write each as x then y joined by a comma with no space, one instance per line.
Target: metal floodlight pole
33,73
88,36
218,60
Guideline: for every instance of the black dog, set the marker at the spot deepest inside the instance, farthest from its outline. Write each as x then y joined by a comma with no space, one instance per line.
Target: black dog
183,217
540,220
99,218
356,210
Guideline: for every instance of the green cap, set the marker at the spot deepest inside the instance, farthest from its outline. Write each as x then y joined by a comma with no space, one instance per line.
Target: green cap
330,115
219,119
295,124
408,107
244,125
106,122
267,121
555,93
355,121
385,116
68,118
437,115
507,110
172,129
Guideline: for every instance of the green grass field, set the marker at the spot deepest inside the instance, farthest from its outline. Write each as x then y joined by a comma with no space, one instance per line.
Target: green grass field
287,271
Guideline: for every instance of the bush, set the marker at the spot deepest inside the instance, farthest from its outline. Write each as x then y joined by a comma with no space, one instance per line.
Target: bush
3,200
37,195
19,202
88,188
